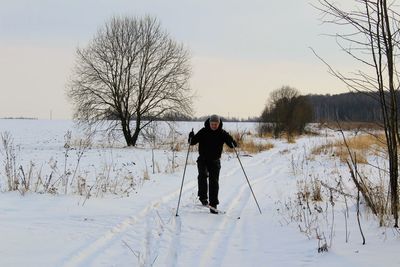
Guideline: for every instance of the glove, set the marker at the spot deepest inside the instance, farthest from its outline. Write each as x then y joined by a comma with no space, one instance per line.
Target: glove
234,144
191,135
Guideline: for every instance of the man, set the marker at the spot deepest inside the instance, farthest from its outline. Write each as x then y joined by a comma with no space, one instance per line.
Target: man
211,139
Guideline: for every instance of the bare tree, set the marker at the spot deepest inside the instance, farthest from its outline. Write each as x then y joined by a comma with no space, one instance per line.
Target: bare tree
372,40
129,74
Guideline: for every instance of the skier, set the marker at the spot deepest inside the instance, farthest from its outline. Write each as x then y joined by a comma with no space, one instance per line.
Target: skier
211,139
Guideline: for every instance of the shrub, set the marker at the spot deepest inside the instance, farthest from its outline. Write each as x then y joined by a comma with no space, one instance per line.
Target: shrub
287,111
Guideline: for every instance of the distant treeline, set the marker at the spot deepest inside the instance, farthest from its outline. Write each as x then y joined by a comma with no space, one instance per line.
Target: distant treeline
204,118
353,106
183,117
361,107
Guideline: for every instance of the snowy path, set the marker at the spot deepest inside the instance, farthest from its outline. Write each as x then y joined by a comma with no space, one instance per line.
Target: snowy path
152,233
196,237
243,237
142,230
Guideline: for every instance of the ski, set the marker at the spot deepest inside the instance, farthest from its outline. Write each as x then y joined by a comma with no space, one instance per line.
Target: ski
212,208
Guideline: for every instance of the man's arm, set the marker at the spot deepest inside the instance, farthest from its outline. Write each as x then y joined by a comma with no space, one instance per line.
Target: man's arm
229,141
195,138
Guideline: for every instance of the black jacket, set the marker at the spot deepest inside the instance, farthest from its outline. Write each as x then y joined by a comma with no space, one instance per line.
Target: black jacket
211,142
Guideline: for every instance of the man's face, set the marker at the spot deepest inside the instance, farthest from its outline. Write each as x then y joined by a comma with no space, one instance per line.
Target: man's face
214,125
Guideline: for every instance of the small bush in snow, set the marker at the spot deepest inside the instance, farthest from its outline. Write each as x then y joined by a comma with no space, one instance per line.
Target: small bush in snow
10,167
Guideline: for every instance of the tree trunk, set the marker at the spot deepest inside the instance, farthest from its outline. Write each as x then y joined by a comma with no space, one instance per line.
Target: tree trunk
135,135
393,167
394,188
127,133
393,161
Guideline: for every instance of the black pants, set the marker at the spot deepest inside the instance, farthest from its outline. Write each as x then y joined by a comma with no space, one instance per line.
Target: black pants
210,169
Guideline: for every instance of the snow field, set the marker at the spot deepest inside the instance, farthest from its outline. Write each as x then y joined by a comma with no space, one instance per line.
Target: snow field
142,230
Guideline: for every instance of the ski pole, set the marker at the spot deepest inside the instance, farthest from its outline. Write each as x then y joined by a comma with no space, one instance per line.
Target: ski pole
183,177
245,175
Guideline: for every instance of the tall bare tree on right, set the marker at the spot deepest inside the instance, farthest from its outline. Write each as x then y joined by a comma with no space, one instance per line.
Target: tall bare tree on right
371,37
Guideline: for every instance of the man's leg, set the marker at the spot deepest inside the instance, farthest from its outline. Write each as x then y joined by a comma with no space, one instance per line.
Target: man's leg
202,181
213,169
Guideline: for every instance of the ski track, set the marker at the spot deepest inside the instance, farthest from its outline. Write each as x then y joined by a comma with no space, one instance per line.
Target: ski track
172,241
218,245
84,256
161,239
215,246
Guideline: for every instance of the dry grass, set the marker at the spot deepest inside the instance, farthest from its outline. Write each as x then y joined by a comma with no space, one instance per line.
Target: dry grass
343,154
249,145
309,190
178,146
290,138
365,142
361,145
253,147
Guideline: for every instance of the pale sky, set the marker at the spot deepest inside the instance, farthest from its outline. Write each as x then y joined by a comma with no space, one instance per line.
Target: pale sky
241,50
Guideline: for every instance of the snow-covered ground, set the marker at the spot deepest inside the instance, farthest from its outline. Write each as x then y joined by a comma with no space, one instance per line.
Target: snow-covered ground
138,226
